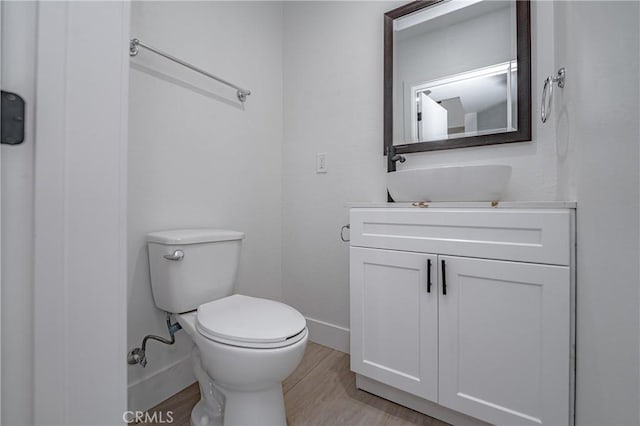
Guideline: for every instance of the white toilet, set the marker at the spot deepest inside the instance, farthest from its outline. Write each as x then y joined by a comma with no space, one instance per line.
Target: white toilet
244,346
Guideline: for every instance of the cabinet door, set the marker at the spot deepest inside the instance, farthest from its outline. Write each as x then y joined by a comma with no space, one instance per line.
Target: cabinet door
394,319
504,341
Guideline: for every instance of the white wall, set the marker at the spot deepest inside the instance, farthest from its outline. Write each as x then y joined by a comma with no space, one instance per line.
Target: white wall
535,164
18,75
598,118
478,42
333,103
199,158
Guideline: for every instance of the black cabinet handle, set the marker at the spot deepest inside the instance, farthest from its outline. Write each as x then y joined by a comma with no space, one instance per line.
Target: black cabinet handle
444,279
428,275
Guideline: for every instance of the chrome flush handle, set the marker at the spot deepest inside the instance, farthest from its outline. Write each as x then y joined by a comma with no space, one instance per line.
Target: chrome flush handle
177,255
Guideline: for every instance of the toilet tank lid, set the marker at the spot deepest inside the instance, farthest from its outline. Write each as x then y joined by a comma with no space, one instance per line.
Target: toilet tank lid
193,236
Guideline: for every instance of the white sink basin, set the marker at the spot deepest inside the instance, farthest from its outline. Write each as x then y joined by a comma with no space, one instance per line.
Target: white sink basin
449,183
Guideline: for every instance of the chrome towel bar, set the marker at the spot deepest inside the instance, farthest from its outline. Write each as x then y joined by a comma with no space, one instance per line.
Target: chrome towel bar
134,48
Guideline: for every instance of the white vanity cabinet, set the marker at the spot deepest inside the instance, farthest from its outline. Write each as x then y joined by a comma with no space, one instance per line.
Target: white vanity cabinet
469,309
396,326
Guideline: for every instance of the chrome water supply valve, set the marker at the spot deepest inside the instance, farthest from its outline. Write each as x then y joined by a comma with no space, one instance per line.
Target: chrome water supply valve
139,356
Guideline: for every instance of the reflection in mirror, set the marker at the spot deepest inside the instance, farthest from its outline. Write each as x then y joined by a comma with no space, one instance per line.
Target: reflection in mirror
476,102
453,69
457,74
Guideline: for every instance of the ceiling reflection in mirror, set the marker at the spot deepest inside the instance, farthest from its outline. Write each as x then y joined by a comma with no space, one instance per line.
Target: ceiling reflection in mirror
455,71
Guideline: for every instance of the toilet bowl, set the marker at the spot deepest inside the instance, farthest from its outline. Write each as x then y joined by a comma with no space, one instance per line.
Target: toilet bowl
244,347
248,378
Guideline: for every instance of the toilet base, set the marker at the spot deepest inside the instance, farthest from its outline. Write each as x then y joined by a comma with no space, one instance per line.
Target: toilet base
202,415
264,407
220,405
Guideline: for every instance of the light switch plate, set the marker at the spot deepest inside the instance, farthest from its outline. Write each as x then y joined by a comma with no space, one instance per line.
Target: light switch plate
321,162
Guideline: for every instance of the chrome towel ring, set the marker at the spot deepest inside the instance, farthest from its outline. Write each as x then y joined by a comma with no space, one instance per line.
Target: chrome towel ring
545,110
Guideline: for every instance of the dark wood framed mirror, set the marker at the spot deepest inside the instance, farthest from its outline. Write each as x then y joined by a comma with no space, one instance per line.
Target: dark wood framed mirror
457,74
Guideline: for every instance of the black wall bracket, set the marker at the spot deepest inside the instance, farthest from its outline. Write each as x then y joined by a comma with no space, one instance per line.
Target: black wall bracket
12,114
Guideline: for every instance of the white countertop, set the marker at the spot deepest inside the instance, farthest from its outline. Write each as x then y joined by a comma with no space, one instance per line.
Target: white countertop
471,204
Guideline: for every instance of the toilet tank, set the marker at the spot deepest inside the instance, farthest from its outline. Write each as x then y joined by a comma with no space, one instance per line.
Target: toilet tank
190,267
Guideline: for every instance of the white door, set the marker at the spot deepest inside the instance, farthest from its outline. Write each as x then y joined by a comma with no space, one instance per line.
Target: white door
504,341
394,319
434,118
1,241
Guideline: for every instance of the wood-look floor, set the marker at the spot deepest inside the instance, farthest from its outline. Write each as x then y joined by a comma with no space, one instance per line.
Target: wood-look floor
321,391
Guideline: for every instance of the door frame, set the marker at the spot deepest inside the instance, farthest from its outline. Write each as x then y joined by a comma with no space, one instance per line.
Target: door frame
80,301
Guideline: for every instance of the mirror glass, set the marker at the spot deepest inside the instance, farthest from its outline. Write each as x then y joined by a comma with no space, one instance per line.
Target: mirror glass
456,72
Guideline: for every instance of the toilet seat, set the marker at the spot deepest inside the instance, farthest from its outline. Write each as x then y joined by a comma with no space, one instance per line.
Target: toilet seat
250,322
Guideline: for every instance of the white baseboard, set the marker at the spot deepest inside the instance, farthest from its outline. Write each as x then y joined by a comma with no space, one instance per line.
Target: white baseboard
327,334
150,391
